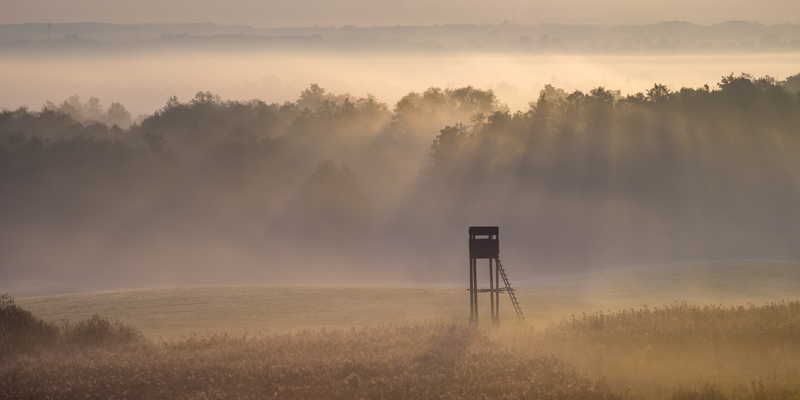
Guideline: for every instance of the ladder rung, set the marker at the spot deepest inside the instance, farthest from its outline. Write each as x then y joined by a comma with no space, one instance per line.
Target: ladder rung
490,290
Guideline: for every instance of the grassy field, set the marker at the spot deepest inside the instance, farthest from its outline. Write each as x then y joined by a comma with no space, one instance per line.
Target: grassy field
697,334
414,362
748,351
678,352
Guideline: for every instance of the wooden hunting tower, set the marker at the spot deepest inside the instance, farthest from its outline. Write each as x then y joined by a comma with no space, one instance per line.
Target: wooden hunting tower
484,244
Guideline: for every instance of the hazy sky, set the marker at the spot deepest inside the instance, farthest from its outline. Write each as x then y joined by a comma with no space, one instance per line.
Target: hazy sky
381,12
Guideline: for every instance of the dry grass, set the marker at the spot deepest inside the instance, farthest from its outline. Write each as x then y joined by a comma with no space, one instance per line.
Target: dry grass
678,352
415,362
682,351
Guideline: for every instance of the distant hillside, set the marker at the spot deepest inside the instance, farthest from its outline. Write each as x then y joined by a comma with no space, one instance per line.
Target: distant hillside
672,36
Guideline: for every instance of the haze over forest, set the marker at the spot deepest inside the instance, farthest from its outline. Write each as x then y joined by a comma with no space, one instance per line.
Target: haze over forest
331,187
294,148
143,65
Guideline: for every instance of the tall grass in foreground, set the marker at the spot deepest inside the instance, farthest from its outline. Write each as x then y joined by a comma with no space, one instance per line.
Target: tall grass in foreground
435,361
682,351
678,352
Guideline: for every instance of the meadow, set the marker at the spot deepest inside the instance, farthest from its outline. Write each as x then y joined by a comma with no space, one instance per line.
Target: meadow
721,342
674,352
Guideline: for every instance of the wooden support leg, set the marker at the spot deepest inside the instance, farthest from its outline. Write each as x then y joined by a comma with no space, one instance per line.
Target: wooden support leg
475,286
491,291
497,293
473,291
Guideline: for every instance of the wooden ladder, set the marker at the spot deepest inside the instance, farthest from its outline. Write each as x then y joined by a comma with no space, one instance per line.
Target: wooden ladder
510,290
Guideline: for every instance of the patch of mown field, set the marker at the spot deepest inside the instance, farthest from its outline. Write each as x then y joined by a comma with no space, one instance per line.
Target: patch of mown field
172,313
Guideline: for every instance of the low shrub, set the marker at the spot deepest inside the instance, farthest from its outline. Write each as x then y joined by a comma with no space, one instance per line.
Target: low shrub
99,331
22,332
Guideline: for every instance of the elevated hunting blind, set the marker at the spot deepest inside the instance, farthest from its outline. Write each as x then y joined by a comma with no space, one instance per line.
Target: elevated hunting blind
484,244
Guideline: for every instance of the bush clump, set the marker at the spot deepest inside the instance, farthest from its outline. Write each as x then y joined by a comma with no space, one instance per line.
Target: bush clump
22,332
100,331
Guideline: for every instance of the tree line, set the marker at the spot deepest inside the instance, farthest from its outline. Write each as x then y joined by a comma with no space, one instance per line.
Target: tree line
580,178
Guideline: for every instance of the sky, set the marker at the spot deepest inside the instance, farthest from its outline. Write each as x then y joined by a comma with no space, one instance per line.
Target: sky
277,13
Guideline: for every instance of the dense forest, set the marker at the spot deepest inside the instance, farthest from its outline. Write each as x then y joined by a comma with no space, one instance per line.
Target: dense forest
330,186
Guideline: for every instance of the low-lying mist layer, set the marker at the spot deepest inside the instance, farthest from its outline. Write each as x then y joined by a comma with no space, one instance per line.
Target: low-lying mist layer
339,188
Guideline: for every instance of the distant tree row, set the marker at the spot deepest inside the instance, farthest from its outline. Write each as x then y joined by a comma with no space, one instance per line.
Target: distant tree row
692,172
